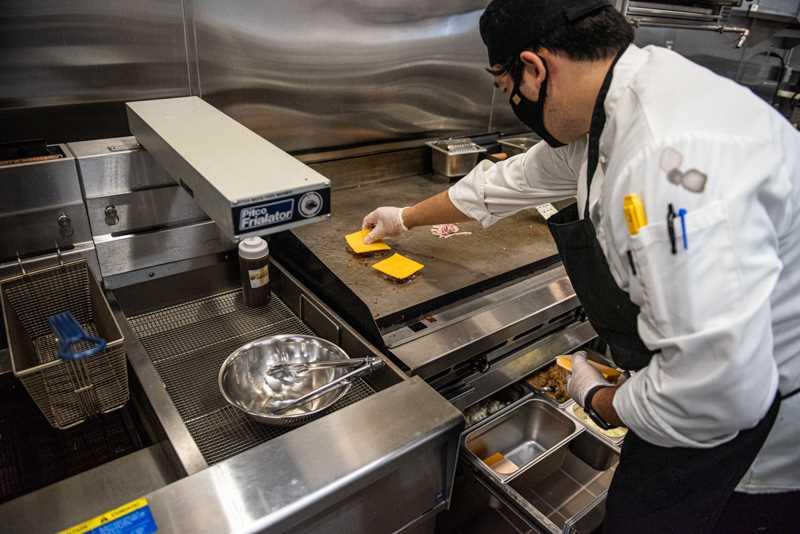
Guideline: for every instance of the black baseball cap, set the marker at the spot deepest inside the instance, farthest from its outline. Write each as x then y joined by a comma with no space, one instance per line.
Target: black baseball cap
508,26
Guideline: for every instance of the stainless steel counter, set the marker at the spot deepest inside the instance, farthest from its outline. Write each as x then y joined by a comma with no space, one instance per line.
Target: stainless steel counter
383,461
296,482
370,467
90,493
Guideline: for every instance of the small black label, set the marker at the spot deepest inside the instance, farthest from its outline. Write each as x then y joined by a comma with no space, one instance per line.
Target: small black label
281,211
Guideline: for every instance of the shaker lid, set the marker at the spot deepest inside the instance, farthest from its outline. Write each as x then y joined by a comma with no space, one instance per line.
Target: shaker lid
253,248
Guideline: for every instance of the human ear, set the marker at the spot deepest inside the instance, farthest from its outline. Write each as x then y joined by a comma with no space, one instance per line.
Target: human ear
534,71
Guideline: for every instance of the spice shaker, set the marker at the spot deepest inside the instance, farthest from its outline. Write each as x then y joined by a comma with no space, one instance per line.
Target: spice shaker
253,271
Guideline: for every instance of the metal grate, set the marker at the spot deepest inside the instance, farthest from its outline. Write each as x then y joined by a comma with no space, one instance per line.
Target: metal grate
226,432
188,342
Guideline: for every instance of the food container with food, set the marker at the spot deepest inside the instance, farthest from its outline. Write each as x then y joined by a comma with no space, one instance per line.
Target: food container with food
615,436
501,400
550,382
454,158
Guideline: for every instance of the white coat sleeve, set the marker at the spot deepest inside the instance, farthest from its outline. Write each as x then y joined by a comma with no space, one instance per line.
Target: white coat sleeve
706,309
492,191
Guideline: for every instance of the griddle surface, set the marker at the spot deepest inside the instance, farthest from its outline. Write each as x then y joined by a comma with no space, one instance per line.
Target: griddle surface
450,264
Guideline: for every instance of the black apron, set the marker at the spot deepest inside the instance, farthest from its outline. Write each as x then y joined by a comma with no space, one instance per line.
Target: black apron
655,489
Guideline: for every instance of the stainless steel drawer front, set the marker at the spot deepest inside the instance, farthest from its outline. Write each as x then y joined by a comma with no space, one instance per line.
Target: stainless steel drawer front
140,210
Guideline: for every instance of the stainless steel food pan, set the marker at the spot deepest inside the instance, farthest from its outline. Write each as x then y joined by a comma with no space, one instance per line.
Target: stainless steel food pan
521,436
568,486
517,145
454,157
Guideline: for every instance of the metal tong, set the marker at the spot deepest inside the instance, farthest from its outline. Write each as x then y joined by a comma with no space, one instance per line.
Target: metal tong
279,370
368,365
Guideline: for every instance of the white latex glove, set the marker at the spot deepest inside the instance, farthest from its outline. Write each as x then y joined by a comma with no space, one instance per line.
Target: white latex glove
384,222
584,378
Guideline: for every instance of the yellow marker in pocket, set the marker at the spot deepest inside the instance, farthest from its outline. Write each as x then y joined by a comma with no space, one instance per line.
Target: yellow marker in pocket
634,213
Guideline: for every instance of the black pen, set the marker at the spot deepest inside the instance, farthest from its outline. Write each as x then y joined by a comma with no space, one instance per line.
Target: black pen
630,260
671,227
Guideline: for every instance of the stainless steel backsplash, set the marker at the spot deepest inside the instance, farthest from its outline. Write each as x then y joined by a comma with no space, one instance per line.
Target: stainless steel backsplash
305,74
322,73
83,51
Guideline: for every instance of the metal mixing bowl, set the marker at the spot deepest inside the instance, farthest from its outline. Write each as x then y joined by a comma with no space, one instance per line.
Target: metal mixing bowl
243,377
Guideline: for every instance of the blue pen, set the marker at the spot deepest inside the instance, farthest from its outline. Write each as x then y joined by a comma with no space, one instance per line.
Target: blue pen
682,215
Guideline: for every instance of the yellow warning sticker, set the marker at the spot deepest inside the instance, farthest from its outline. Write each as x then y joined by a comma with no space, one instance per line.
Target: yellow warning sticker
128,518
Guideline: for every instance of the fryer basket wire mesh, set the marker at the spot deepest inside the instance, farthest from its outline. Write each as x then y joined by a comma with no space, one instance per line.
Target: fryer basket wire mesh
66,392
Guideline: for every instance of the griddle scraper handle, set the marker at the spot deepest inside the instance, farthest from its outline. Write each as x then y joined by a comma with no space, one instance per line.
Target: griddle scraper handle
69,331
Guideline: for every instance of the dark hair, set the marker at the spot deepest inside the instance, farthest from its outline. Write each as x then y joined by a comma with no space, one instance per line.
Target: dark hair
598,36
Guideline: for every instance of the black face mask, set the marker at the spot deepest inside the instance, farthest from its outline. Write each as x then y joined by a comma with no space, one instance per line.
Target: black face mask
529,112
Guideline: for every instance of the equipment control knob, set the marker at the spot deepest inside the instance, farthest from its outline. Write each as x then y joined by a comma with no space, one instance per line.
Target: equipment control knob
65,224
112,216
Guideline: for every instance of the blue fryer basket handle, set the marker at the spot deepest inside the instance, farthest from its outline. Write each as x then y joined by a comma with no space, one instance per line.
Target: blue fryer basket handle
69,332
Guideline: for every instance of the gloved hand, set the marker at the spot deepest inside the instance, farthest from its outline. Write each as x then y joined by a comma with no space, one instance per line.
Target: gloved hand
584,378
386,221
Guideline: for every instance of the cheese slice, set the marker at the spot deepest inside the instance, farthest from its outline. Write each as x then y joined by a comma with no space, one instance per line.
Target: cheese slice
398,267
493,459
500,464
565,362
356,242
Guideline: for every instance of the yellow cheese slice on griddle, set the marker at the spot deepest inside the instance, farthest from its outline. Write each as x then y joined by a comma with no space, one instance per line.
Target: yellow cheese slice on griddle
356,242
398,267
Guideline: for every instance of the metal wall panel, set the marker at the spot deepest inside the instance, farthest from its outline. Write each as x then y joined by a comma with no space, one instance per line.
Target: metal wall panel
79,51
305,74
317,73
74,57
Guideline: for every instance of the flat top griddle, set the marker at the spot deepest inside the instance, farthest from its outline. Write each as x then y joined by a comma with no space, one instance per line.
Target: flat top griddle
450,264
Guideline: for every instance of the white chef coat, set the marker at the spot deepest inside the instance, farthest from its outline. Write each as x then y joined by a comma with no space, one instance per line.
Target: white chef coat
723,313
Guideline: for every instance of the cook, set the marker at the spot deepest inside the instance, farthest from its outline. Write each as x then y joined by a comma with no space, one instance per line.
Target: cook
697,290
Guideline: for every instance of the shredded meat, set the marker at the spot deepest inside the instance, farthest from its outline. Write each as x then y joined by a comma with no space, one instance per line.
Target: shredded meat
553,376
